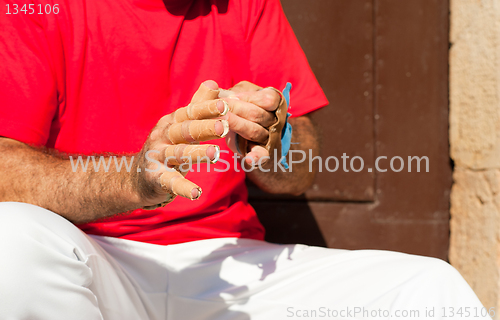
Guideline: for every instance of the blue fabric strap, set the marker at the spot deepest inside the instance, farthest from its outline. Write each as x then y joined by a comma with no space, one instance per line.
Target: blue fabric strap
286,133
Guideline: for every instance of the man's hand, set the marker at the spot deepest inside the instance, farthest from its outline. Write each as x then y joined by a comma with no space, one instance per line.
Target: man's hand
47,179
251,113
159,171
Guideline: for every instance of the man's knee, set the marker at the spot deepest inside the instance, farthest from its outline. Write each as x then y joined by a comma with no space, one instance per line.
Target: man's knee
24,227
17,214
42,259
433,273
26,219
441,271
421,270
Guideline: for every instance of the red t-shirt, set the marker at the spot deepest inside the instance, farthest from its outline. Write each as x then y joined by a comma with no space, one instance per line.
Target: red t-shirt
97,76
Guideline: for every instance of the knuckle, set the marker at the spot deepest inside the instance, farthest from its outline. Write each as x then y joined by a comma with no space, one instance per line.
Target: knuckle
270,118
256,134
243,83
269,98
236,124
165,120
254,115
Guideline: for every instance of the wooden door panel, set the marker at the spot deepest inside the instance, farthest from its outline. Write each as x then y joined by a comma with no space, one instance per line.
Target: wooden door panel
352,226
405,114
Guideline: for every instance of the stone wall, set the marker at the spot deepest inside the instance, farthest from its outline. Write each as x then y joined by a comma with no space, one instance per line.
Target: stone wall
475,145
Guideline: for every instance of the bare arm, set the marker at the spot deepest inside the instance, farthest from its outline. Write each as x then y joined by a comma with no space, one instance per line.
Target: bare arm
49,180
301,177
35,176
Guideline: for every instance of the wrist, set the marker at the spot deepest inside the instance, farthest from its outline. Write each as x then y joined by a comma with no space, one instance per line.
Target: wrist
145,192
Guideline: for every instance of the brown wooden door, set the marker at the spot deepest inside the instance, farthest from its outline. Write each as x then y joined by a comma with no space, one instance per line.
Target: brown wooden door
383,65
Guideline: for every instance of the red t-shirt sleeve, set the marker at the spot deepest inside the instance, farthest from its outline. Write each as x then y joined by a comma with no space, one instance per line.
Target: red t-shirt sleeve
277,58
27,82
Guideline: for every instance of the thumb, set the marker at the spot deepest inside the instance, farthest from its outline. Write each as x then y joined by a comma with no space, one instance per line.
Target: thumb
208,90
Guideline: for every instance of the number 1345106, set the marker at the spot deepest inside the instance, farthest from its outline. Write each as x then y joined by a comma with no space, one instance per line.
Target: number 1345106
32,9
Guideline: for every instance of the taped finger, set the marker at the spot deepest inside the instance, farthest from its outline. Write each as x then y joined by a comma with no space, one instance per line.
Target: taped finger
174,182
185,153
202,110
205,93
197,130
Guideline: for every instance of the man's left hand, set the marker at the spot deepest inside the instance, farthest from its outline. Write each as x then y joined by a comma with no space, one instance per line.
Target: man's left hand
251,114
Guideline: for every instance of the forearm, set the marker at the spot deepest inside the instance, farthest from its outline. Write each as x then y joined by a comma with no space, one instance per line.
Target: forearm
301,177
33,176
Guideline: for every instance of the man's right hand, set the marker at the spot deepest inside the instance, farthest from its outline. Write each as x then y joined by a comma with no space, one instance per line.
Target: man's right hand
159,175
47,179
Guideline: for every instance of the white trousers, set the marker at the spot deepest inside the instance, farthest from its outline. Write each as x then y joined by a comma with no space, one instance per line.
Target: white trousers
49,269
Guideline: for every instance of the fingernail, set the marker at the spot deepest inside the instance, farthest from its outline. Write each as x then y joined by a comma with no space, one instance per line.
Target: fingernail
213,153
195,193
255,162
223,107
221,128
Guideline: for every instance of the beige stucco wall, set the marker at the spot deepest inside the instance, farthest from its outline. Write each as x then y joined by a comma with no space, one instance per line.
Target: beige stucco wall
475,145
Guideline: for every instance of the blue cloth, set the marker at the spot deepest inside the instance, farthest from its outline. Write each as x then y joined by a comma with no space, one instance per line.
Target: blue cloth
286,133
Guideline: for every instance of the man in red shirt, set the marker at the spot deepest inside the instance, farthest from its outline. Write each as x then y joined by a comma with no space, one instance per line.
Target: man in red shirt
102,80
